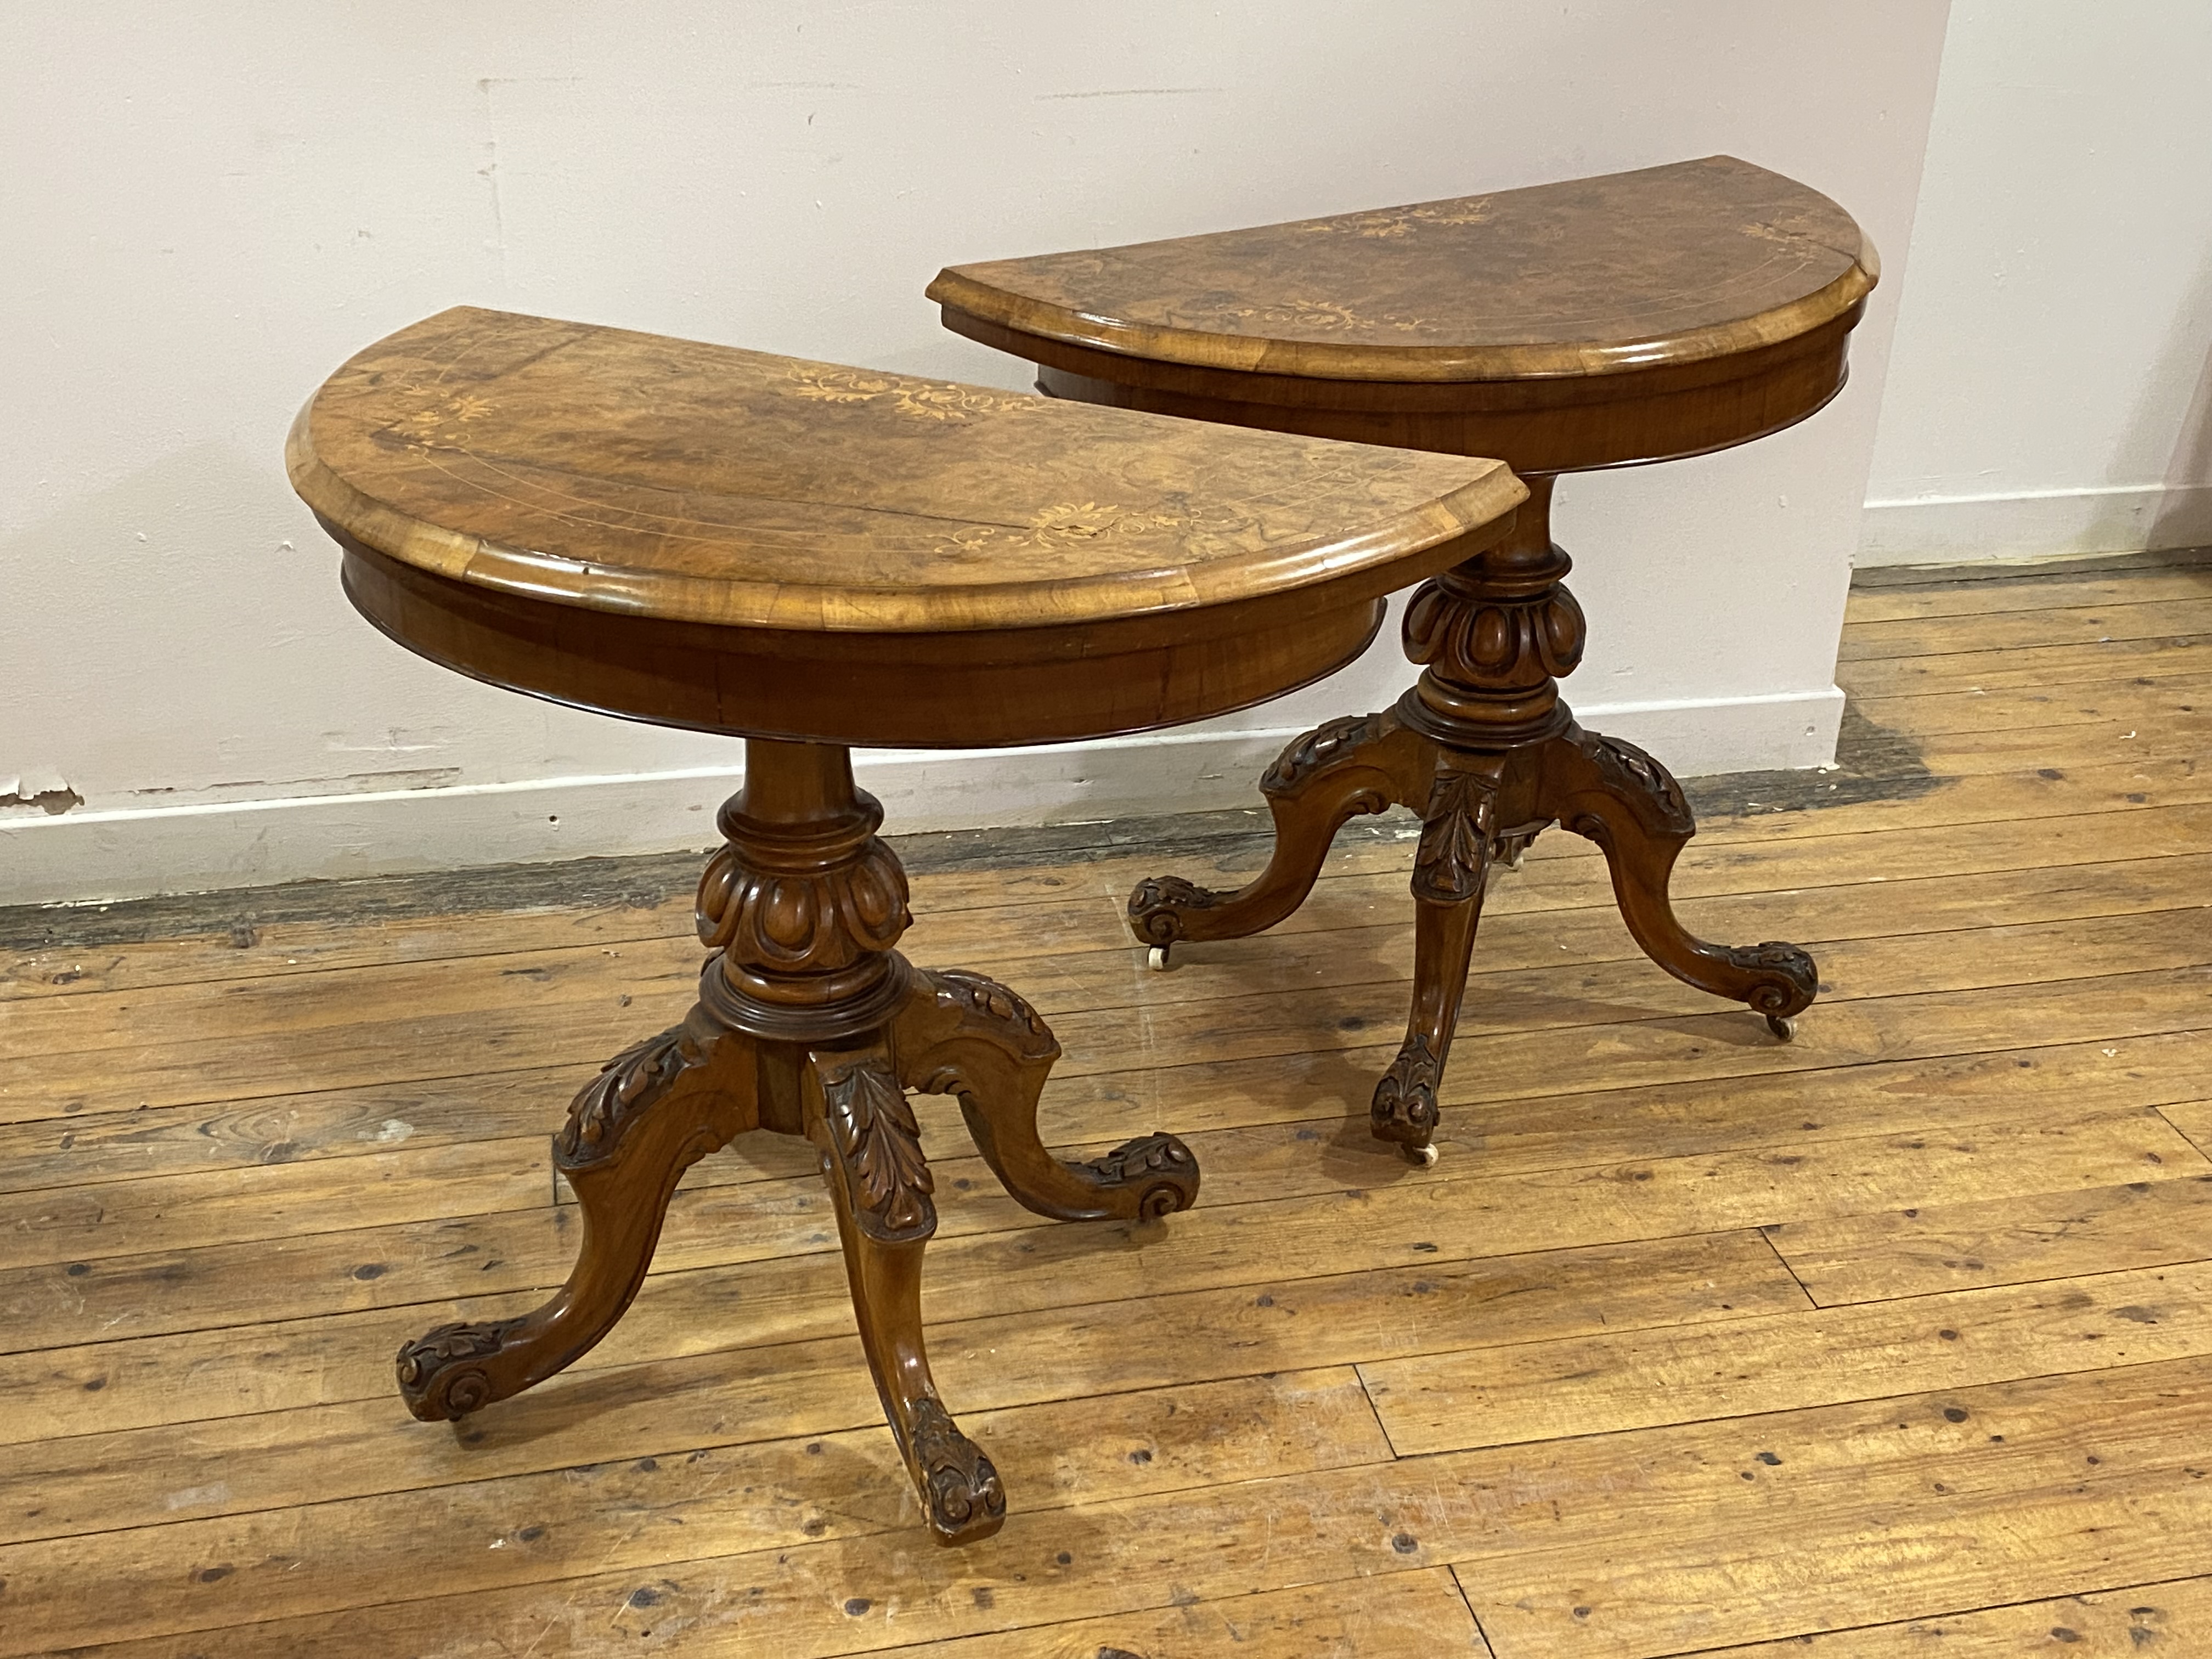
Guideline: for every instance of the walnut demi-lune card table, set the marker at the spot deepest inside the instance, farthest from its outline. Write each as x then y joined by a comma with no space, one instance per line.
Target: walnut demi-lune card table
813,557
1596,323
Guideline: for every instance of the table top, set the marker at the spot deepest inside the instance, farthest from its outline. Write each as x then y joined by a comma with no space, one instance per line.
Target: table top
1627,270
650,476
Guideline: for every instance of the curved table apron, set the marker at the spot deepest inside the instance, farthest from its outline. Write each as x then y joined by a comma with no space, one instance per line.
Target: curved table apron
1602,322
814,556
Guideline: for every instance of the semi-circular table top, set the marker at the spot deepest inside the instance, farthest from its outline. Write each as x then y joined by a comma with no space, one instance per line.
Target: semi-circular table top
1624,271
643,475
729,540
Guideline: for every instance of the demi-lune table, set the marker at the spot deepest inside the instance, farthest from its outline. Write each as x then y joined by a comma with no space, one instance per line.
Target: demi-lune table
814,556
1597,323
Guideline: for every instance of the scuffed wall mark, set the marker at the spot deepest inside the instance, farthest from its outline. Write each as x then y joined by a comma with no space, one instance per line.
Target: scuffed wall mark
47,794
346,783
487,87
1131,92
489,174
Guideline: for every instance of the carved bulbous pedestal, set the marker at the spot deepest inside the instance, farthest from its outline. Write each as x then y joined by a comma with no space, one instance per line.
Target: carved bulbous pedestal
1486,751
809,1022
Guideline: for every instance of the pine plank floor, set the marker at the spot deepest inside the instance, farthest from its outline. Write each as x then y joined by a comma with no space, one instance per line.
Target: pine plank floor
1892,1341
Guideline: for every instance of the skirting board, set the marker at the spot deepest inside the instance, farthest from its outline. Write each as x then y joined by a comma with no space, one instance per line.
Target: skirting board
91,856
1958,529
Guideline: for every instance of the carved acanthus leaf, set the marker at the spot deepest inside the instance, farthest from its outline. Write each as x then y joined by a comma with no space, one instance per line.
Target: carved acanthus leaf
1322,746
879,1144
1453,854
438,1376
1638,777
625,1086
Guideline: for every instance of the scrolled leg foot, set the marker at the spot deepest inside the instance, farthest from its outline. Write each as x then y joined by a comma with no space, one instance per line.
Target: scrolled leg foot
1781,978
1332,773
441,1373
1404,1108
1160,1168
1160,909
965,1495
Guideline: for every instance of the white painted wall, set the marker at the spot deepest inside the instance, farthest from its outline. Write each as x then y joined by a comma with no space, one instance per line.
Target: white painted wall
2052,386
206,209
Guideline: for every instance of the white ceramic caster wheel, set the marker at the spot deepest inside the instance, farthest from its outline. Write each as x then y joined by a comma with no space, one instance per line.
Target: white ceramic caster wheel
1782,1026
1515,863
1423,1155
1156,958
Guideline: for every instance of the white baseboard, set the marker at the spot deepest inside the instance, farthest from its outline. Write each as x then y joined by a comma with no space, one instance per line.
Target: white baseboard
1958,529
100,856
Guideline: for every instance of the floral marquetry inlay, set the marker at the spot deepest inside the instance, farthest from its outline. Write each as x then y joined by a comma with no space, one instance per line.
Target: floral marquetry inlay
1387,224
925,400
1322,315
443,418
1064,525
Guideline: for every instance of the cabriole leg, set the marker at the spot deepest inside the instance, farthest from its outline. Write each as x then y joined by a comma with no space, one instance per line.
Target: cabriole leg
1450,871
653,1111
1631,807
963,1034
1331,775
858,1116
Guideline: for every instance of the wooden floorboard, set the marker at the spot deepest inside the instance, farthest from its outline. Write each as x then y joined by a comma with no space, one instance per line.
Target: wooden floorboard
1895,1340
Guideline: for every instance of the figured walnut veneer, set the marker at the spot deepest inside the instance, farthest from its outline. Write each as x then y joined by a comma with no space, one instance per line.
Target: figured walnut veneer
1592,323
731,541
1598,322
813,557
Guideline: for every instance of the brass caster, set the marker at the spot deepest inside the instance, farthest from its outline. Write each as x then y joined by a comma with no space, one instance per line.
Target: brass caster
1782,1025
1156,958
1423,1155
